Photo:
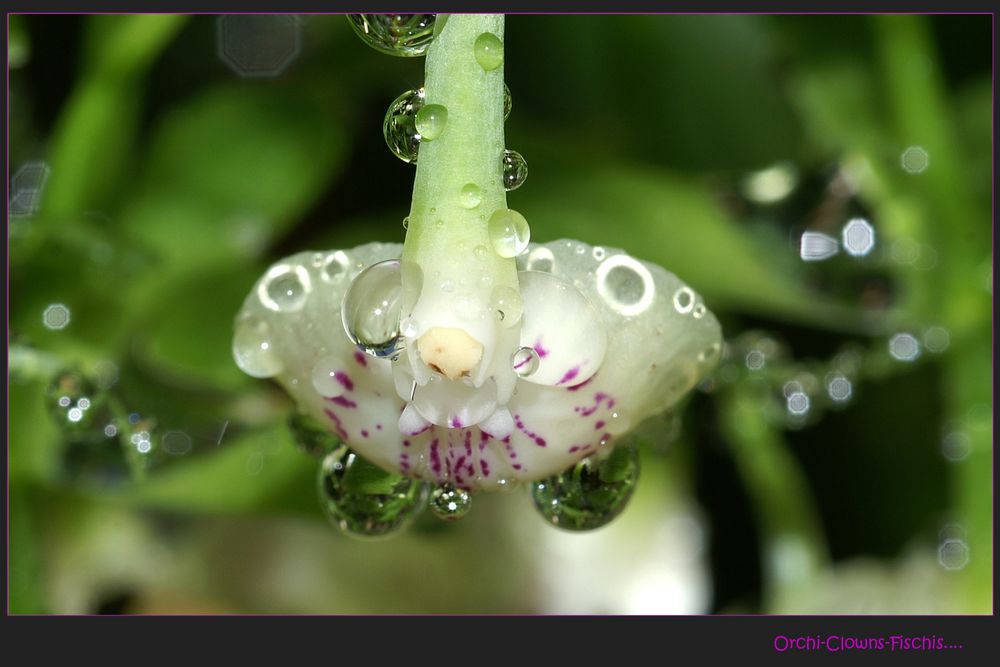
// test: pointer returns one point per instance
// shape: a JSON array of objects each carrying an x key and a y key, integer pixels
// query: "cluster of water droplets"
[{"x": 591, "y": 493}]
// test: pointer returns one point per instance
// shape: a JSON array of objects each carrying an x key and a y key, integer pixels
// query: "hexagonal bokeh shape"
[{"x": 258, "y": 45}]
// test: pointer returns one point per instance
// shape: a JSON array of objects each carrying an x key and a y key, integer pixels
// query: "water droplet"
[
  {"x": 72, "y": 396},
  {"x": 838, "y": 387},
  {"x": 817, "y": 246},
  {"x": 489, "y": 51},
  {"x": 56, "y": 316},
  {"x": 698, "y": 311},
  {"x": 364, "y": 500},
  {"x": 335, "y": 266},
  {"x": 915, "y": 159},
  {"x": 399, "y": 127},
  {"x": 541, "y": 259},
  {"x": 430, "y": 121},
  {"x": 858, "y": 236},
  {"x": 310, "y": 437},
  {"x": 480, "y": 252},
  {"x": 406, "y": 222},
  {"x": 509, "y": 232},
  {"x": 514, "y": 169},
  {"x": 953, "y": 554},
  {"x": 371, "y": 311},
  {"x": 325, "y": 380},
  {"x": 508, "y": 102},
  {"x": 253, "y": 348},
  {"x": 797, "y": 403},
  {"x": 409, "y": 327},
  {"x": 450, "y": 503},
  {"x": 284, "y": 288},
  {"x": 904, "y": 347},
  {"x": 625, "y": 284},
  {"x": 524, "y": 361},
  {"x": 447, "y": 286},
  {"x": 599, "y": 253},
  {"x": 406, "y": 35},
  {"x": 507, "y": 303},
  {"x": 684, "y": 300},
  {"x": 710, "y": 353},
  {"x": 590, "y": 494},
  {"x": 470, "y": 196}
]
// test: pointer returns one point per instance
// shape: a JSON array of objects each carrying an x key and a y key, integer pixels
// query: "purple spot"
[
  {"x": 468, "y": 443},
  {"x": 338, "y": 425},
  {"x": 406, "y": 443},
  {"x": 460, "y": 461},
  {"x": 455, "y": 422},
  {"x": 343, "y": 402},
  {"x": 540, "y": 441},
  {"x": 364, "y": 433},
  {"x": 378, "y": 427},
  {"x": 344, "y": 380},
  {"x": 485, "y": 467},
  {"x": 360, "y": 358},
  {"x": 599, "y": 398},
  {"x": 574, "y": 448},
  {"x": 516, "y": 466},
  {"x": 599, "y": 425},
  {"x": 435, "y": 457},
  {"x": 541, "y": 351},
  {"x": 583, "y": 384},
  {"x": 569, "y": 376}
]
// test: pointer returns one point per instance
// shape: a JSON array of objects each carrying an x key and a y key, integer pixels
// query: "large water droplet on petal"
[
  {"x": 509, "y": 232},
  {"x": 362, "y": 499},
  {"x": 253, "y": 348},
  {"x": 310, "y": 436},
  {"x": 405, "y": 35},
  {"x": 327, "y": 377},
  {"x": 507, "y": 304},
  {"x": 430, "y": 121},
  {"x": 524, "y": 361},
  {"x": 625, "y": 284},
  {"x": 371, "y": 309},
  {"x": 489, "y": 51},
  {"x": 285, "y": 288},
  {"x": 514, "y": 170},
  {"x": 400, "y": 128},
  {"x": 450, "y": 503},
  {"x": 591, "y": 493}
]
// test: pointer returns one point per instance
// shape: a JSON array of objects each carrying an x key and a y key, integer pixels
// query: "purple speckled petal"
[{"x": 618, "y": 340}]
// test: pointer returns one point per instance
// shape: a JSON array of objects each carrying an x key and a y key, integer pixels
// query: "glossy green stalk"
[{"x": 441, "y": 230}]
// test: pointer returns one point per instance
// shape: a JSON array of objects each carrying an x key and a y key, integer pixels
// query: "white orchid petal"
[{"x": 639, "y": 338}]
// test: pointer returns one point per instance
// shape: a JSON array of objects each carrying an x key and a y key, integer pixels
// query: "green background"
[{"x": 174, "y": 179}]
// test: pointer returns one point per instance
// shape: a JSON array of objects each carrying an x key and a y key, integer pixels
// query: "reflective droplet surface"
[
  {"x": 489, "y": 51},
  {"x": 362, "y": 499},
  {"x": 625, "y": 284},
  {"x": 406, "y": 35},
  {"x": 514, "y": 170},
  {"x": 399, "y": 127},
  {"x": 506, "y": 302},
  {"x": 327, "y": 378},
  {"x": 450, "y": 503},
  {"x": 524, "y": 361},
  {"x": 508, "y": 102},
  {"x": 310, "y": 437},
  {"x": 335, "y": 266},
  {"x": 371, "y": 310},
  {"x": 684, "y": 300},
  {"x": 470, "y": 196},
  {"x": 509, "y": 232},
  {"x": 591, "y": 493},
  {"x": 430, "y": 121},
  {"x": 285, "y": 288},
  {"x": 253, "y": 349},
  {"x": 541, "y": 259}
]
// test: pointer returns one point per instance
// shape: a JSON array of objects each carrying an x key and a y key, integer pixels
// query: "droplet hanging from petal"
[
  {"x": 399, "y": 127},
  {"x": 364, "y": 500},
  {"x": 371, "y": 310},
  {"x": 590, "y": 494}
]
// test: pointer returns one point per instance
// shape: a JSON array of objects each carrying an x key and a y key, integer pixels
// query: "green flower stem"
[
  {"x": 441, "y": 231},
  {"x": 795, "y": 551}
]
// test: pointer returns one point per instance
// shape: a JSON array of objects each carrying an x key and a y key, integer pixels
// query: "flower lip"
[{"x": 451, "y": 352}]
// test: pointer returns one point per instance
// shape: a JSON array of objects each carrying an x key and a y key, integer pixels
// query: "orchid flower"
[{"x": 469, "y": 357}]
